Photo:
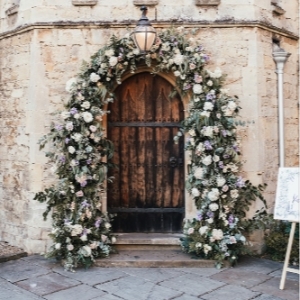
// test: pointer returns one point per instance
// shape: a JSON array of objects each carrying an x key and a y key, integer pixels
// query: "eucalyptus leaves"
[{"x": 81, "y": 154}]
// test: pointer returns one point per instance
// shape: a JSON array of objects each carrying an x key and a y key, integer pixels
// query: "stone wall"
[{"x": 35, "y": 64}]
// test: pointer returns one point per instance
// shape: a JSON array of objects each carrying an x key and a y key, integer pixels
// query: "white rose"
[
  {"x": 113, "y": 240},
  {"x": 93, "y": 128},
  {"x": 69, "y": 126},
  {"x": 70, "y": 247},
  {"x": 94, "y": 77},
  {"x": 231, "y": 105},
  {"x": 216, "y": 158},
  {"x": 209, "y": 83},
  {"x": 206, "y": 248},
  {"x": 221, "y": 181},
  {"x": 76, "y": 116},
  {"x": 198, "y": 245},
  {"x": 234, "y": 194},
  {"x": 76, "y": 230},
  {"x": 86, "y": 104},
  {"x": 217, "y": 234},
  {"x": 213, "y": 195},
  {"x": 88, "y": 117},
  {"x": 213, "y": 206},
  {"x": 71, "y": 149},
  {"x": 76, "y": 137},
  {"x": 83, "y": 237},
  {"x": 203, "y": 230},
  {"x": 57, "y": 246},
  {"x": 70, "y": 85},
  {"x": 210, "y": 220},
  {"x": 177, "y": 73},
  {"x": 178, "y": 59},
  {"x": 64, "y": 115},
  {"x": 197, "y": 88},
  {"x": 198, "y": 173},
  {"x": 113, "y": 61},
  {"x": 208, "y": 106},
  {"x": 195, "y": 192},
  {"x": 207, "y": 160}
]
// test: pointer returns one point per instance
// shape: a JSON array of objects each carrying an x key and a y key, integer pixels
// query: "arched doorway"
[{"x": 148, "y": 188}]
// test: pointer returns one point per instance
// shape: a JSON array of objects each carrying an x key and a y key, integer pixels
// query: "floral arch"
[{"x": 81, "y": 153}]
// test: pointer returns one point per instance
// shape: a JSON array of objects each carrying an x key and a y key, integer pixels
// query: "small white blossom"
[
  {"x": 214, "y": 194},
  {"x": 113, "y": 61},
  {"x": 109, "y": 52},
  {"x": 71, "y": 149},
  {"x": 209, "y": 83},
  {"x": 70, "y": 247},
  {"x": 206, "y": 248},
  {"x": 57, "y": 246},
  {"x": 86, "y": 251},
  {"x": 198, "y": 245},
  {"x": 221, "y": 181},
  {"x": 213, "y": 206},
  {"x": 178, "y": 59},
  {"x": 198, "y": 173},
  {"x": 76, "y": 137},
  {"x": 192, "y": 132},
  {"x": 217, "y": 234},
  {"x": 234, "y": 194},
  {"x": 86, "y": 104},
  {"x": 203, "y": 230},
  {"x": 195, "y": 192},
  {"x": 177, "y": 73},
  {"x": 197, "y": 88},
  {"x": 83, "y": 237},
  {"x": 216, "y": 158},
  {"x": 190, "y": 230},
  {"x": 206, "y": 160},
  {"x": 94, "y": 77},
  {"x": 208, "y": 106},
  {"x": 69, "y": 126},
  {"x": 87, "y": 117},
  {"x": 76, "y": 230}
]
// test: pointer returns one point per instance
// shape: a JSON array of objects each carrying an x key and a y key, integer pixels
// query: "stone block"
[
  {"x": 230, "y": 292},
  {"x": 207, "y": 2},
  {"x": 145, "y": 2},
  {"x": 84, "y": 2},
  {"x": 86, "y": 293}
]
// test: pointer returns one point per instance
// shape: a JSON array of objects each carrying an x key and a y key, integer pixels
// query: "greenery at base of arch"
[{"x": 81, "y": 154}]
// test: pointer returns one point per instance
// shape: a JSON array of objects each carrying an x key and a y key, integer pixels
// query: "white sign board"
[{"x": 287, "y": 195}]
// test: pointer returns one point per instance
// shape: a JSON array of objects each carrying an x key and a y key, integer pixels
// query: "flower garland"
[{"x": 81, "y": 154}]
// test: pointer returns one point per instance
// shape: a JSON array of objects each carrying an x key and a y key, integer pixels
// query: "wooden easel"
[{"x": 287, "y": 258}]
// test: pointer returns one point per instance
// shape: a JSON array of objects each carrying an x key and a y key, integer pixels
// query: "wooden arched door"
[{"x": 148, "y": 189}]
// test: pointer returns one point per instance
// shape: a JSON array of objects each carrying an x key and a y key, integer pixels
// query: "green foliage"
[{"x": 276, "y": 238}]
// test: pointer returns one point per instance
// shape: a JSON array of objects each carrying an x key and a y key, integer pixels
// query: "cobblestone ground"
[{"x": 34, "y": 277}]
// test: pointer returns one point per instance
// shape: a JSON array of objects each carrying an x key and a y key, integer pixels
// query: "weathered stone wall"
[{"x": 35, "y": 64}]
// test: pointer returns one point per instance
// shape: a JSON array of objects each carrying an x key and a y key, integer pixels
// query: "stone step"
[
  {"x": 148, "y": 241},
  {"x": 153, "y": 259}
]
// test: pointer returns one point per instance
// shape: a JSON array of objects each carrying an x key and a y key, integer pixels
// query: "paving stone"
[
  {"x": 192, "y": 284},
  {"x": 206, "y": 272},
  {"x": 109, "y": 297},
  {"x": 17, "y": 270},
  {"x": 9, "y": 291},
  {"x": 271, "y": 287},
  {"x": 240, "y": 277},
  {"x": 289, "y": 275},
  {"x": 132, "y": 288},
  {"x": 153, "y": 274},
  {"x": 267, "y": 297},
  {"x": 232, "y": 292},
  {"x": 41, "y": 260},
  {"x": 186, "y": 297},
  {"x": 47, "y": 284},
  {"x": 258, "y": 265},
  {"x": 92, "y": 276},
  {"x": 85, "y": 292}
]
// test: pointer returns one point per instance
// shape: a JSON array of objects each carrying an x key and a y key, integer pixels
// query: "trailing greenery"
[
  {"x": 81, "y": 154},
  {"x": 277, "y": 234}
]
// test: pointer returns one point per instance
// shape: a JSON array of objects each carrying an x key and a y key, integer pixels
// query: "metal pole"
[{"x": 280, "y": 57}]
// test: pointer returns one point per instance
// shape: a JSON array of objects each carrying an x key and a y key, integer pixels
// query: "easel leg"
[{"x": 287, "y": 256}]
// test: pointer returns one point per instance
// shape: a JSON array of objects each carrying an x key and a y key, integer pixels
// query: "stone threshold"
[{"x": 151, "y": 250}]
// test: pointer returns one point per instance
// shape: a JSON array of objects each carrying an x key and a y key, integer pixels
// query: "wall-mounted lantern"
[{"x": 144, "y": 34}]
